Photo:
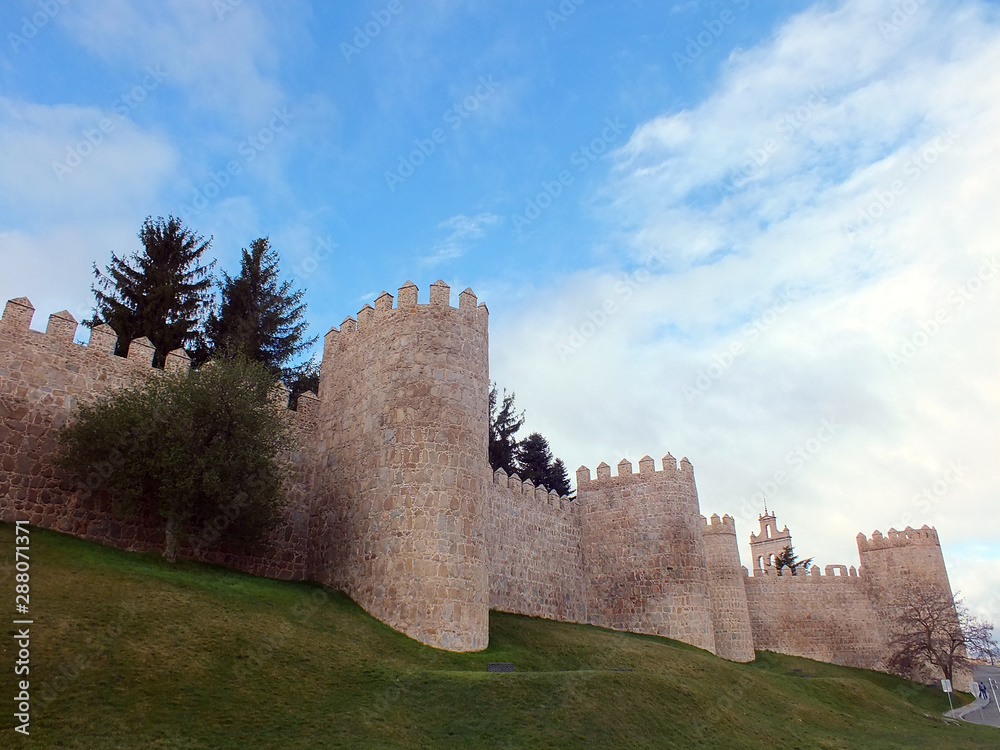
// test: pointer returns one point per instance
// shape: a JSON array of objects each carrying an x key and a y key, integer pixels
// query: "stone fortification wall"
[
  {"x": 43, "y": 376},
  {"x": 643, "y": 550},
  {"x": 393, "y": 502},
  {"x": 400, "y": 507},
  {"x": 533, "y": 538},
  {"x": 827, "y": 617},
  {"x": 730, "y": 613}
]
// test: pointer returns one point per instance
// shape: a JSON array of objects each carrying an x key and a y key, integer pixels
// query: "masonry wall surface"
[
  {"x": 533, "y": 539},
  {"x": 643, "y": 551},
  {"x": 824, "y": 617},
  {"x": 402, "y": 489},
  {"x": 43, "y": 376}
]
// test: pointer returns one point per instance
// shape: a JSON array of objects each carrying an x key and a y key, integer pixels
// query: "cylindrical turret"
[
  {"x": 644, "y": 553},
  {"x": 727, "y": 590},
  {"x": 403, "y": 423}
]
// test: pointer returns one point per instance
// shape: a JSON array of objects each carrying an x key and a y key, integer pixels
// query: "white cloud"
[
  {"x": 75, "y": 192},
  {"x": 67, "y": 161},
  {"x": 864, "y": 205}
]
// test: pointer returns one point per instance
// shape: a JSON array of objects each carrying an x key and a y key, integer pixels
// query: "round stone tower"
[
  {"x": 727, "y": 590},
  {"x": 404, "y": 431},
  {"x": 645, "y": 557},
  {"x": 911, "y": 554}
]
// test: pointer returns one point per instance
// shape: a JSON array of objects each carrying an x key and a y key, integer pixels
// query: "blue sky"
[{"x": 762, "y": 235}]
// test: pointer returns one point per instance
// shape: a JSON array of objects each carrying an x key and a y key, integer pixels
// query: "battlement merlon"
[
  {"x": 716, "y": 525},
  {"x": 672, "y": 471},
  {"x": 17, "y": 314},
  {"x": 925, "y": 536},
  {"x": 369, "y": 317}
]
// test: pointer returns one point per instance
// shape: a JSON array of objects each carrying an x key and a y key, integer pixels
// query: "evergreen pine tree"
[
  {"x": 558, "y": 478},
  {"x": 260, "y": 317},
  {"x": 159, "y": 292},
  {"x": 534, "y": 459},
  {"x": 504, "y": 424},
  {"x": 788, "y": 559}
]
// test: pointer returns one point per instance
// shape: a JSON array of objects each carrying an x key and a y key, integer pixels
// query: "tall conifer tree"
[
  {"x": 260, "y": 317},
  {"x": 504, "y": 424},
  {"x": 558, "y": 478},
  {"x": 159, "y": 292},
  {"x": 534, "y": 459},
  {"x": 535, "y": 462}
]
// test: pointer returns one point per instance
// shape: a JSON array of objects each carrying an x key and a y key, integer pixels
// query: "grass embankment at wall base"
[{"x": 128, "y": 651}]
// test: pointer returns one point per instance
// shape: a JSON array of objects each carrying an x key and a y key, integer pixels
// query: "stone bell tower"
[{"x": 769, "y": 543}]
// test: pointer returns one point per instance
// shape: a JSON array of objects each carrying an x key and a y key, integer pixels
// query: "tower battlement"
[
  {"x": 924, "y": 536},
  {"x": 369, "y": 318},
  {"x": 671, "y": 471},
  {"x": 716, "y": 525}
]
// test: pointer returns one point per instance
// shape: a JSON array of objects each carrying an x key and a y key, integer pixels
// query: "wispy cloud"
[
  {"x": 814, "y": 241},
  {"x": 222, "y": 55},
  {"x": 461, "y": 230}
]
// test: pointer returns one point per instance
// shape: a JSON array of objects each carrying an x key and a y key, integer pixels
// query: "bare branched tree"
[
  {"x": 979, "y": 639},
  {"x": 926, "y": 631}
]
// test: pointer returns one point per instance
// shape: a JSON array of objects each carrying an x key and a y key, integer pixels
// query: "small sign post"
[{"x": 946, "y": 686}]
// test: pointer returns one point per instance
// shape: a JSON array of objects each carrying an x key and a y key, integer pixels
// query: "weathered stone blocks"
[
  {"x": 403, "y": 499},
  {"x": 727, "y": 591},
  {"x": 644, "y": 554}
]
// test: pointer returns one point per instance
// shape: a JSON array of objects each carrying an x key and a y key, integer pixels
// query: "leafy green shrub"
[{"x": 194, "y": 447}]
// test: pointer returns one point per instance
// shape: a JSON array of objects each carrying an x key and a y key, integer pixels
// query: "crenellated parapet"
[
  {"x": 60, "y": 334},
  {"x": 716, "y": 525},
  {"x": 539, "y": 493},
  {"x": 829, "y": 573},
  {"x": 670, "y": 472},
  {"x": 355, "y": 330}
]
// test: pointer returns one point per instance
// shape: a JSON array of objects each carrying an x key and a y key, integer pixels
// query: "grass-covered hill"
[{"x": 128, "y": 651}]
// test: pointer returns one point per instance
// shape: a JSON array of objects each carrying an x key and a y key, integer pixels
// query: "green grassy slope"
[{"x": 130, "y": 652}]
